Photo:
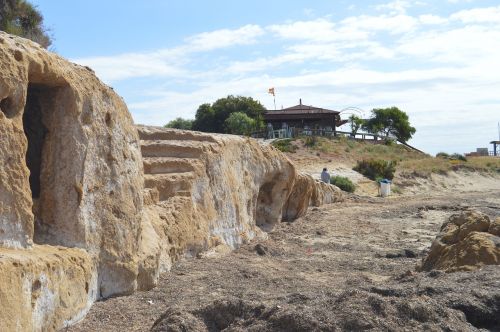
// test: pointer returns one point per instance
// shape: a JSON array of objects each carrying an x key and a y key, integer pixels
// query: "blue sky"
[{"x": 437, "y": 60}]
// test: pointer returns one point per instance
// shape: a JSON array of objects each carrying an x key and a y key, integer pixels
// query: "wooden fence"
[{"x": 296, "y": 132}]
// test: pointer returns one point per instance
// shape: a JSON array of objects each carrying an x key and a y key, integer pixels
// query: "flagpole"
[{"x": 274, "y": 98}]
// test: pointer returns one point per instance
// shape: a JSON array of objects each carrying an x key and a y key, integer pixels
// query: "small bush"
[
  {"x": 310, "y": 141},
  {"x": 458, "y": 156},
  {"x": 442, "y": 155},
  {"x": 376, "y": 169},
  {"x": 454, "y": 156},
  {"x": 284, "y": 145},
  {"x": 389, "y": 142},
  {"x": 343, "y": 183}
]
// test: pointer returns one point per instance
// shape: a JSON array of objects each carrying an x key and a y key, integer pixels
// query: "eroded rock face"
[
  {"x": 467, "y": 241},
  {"x": 213, "y": 191},
  {"x": 70, "y": 175},
  {"x": 76, "y": 223},
  {"x": 45, "y": 289},
  {"x": 309, "y": 192}
]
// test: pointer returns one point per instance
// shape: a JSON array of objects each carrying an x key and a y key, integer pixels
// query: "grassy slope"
[{"x": 409, "y": 162}]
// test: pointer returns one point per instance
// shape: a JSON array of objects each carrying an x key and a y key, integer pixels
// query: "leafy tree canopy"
[
  {"x": 19, "y": 17},
  {"x": 212, "y": 118},
  {"x": 390, "y": 121},
  {"x": 180, "y": 123},
  {"x": 239, "y": 123},
  {"x": 356, "y": 123}
]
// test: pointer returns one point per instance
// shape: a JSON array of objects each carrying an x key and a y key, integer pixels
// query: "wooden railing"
[{"x": 295, "y": 132}]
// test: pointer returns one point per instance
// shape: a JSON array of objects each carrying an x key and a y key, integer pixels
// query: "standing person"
[{"x": 325, "y": 176}]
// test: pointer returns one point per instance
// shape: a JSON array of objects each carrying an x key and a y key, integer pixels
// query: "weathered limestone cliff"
[{"x": 79, "y": 219}]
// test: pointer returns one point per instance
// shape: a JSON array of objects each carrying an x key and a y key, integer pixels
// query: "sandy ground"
[
  {"x": 308, "y": 161},
  {"x": 332, "y": 249}
]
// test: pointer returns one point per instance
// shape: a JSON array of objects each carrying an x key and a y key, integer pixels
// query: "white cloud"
[
  {"x": 168, "y": 62},
  {"x": 459, "y": 1},
  {"x": 132, "y": 65},
  {"x": 442, "y": 70},
  {"x": 319, "y": 30},
  {"x": 461, "y": 46},
  {"x": 478, "y": 15},
  {"x": 394, "y": 24},
  {"x": 395, "y": 7},
  {"x": 432, "y": 19},
  {"x": 208, "y": 41}
]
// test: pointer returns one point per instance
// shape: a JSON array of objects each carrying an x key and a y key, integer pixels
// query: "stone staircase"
[{"x": 172, "y": 160}]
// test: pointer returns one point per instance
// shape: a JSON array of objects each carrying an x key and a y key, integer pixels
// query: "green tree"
[
  {"x": 211, "y": 118},
  {"x": 180, "y": 123},
  {"x": 205, "y": 119},
  {"x": 19, "y": 17},
  {"x": 390, "y": 121},
  {"x": 239, "y": 123},
  {"x": 356, "y": 123}
]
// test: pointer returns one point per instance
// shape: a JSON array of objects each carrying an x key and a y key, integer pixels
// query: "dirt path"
[{"x": 365, "y": 241}]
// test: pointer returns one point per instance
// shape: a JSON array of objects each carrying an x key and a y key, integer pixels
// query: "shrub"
[
  {"x": 310, "y": 141},
  {"x": 458, "y": 156},
  {"x": 343, "y": 183},
  {"x": 454, "y": 156},
  {"x": 180, "y": 123},
  {"x": 442, "y": 155},
  {"x": 375, "y": 169},
  {"x": 239, "y": 123},
  {"x": 284, "y": 145},
  {"x": 21, "y": 18},
  {"x": 389, "y": 142}
]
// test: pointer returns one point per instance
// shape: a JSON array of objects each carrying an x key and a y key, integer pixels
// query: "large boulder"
[{"x": 467, "y": 241}]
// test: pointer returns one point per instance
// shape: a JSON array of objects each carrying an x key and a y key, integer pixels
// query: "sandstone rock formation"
[
  {"x": 77, "y": 224},
  {"x": 70, "y": 175},
  {"x": 467, "y": 241},
  {"x": 307, "y": 192},
  {"x": 212, "y": 190},
  {"x": 46, "y": 288}
]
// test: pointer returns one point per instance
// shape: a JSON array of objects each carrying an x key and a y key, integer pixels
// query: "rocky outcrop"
[
  {"x": 215, "y": 191},
  {"x": 79, "y": 219},
  {"x": 307, "y": 192},
  {"x": 45, "y": 289},
  {"x": 71, "y": 176},
  {"x": 467, "y": 241}
]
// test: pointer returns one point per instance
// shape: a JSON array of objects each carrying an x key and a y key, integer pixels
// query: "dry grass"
[
  {"x": 358, "y": 150},
  {"x": 425, "y": 166},
  {"x": 410, "y": 163}
]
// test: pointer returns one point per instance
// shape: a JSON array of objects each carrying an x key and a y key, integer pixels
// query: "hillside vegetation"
[{"x": 409, "y": 162}]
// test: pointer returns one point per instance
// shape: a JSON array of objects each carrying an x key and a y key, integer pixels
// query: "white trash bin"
[{"x": 385, "y": 188}]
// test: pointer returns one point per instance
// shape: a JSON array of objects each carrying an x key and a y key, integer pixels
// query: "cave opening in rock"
[
  {"x": 6, "y": 107},
  {"x": 35, "y": 131},
  {"x": 39, "y": 102},
  {"x": 264, "y": 217}
]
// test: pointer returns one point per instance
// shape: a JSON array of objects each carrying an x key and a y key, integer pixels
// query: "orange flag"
[{"x": 271, "y": 91}]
